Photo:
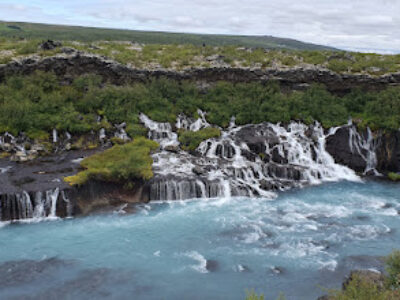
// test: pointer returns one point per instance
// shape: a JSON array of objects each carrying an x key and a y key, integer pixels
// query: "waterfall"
[
  {"x": 121, "y": 133},
  {"x": 183, "y": 122},
  {"x": 160, "y": 132},
  {"x": 34, "y": 206},
  {"x": 51, "y": 197},
  {"x": 251, "y": 160},
  {"x": 102, "y": 134},
  {"x": 55, "y": 137},
  {"x": 365, "y": 147}
]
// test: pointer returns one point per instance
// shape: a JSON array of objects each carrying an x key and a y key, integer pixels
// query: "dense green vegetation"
[
  {"x": 37, "y": 103},
  {"x": 88, "y": 34},
  {"x": 394, "y": 176},
  {"x": 190, "y": 140},
  {"x": 121, "y": 163},
  {"x": 359, "y": 288}
]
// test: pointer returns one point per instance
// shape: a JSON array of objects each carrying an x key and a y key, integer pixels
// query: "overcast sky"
[{"x": 364, "y": 25}]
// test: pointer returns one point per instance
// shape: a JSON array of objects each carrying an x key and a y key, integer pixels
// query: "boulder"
[
  {"x": 50, "y": 45},
  {"x": 172, "y": 148}
]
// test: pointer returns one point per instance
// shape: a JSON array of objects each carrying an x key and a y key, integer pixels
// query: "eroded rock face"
[
  {"x": 75, "y": 63},
  {"x": 364, "y": 152}
]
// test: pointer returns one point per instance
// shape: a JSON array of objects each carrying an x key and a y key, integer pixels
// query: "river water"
[{"x": 299, "y": 243}]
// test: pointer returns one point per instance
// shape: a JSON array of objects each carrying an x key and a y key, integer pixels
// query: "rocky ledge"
[{"x": 73, "y": 63}]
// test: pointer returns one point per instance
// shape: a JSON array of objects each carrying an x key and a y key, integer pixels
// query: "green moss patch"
[
  {"x": 121, "y": 163},
  {"x": 190, "y": 140},
  {"x": 394, "y": 176}
]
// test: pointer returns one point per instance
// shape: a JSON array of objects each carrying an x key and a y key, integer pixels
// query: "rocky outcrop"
[
  {"x": 365, "y": 152},
  {"x": 73, "y": 63}
]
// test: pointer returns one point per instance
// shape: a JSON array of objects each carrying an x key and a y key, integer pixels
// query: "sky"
[{"x": 361, "y": 25}]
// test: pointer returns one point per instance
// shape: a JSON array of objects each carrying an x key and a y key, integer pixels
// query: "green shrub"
[
  {"x": 190, "y": 140},
  {"x": 362, "y": 288},
  {"x": 121, "y": 163},
  {"x": 394, "y": 176},
  {"x": 27, "y": 47},
  {"x": 39, "y": 103},
  {"x": 359, "y": 289},
  {"x": 253, "y": 296},
  {"x": 393, "y": 267}
]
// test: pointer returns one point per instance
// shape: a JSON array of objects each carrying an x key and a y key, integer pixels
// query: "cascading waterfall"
[
  {"x": 160, "y": 132},
  {"x": 365, "y": 147},
  {"x": 120, "y": 132},
  {"x": 34, "y": 206},
  {"x": 55, "y": 136},
  {"x": 183, "y": 122},
  {"x": 251, "y": 160}
]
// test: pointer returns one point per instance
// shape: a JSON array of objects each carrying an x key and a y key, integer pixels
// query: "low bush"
[
  {"x": 121, "y": 163},
  {"x": 39, "y": 103},
  {"x": 394, "y": 176},
  {"x": 362, "y": 288},
  {"x": 190, "y": 140}
]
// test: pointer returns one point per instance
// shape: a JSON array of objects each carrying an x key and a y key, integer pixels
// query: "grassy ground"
[{"x": 180, "y": 57}]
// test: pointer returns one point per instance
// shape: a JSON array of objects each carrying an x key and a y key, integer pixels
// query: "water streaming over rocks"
[
  {"x": 35, "y": 206},
  {"x": 251, "y": 160},
  {"x": 254, "y": 160}
]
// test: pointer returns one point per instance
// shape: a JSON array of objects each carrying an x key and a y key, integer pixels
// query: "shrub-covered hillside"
[
  {"x": 184, "y": 56},
  {"x": 38, "y": 103}
]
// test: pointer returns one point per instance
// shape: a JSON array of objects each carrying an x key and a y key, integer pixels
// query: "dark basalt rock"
[
  {"x": 388, "y": 152},
  {"x": 212, "y": 265},
  {"x": 77, "y": 63},
  {"x": 14, "y": 273},
  {"x": 338, "y": 146},
  {"x": 50, "y": 45},
  {"x": 277, "y": 270}
]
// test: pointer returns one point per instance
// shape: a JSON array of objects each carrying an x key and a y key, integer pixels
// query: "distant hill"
[{"x": 90, "y": 34}]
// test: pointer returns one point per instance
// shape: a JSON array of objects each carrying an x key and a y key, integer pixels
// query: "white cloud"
[{"x": 350, "y": 24}]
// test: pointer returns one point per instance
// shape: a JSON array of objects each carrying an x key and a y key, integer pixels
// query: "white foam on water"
[
  {"x": 327, "y": 264},
  {"x": 3, "y": 224},
  {"x": 367, "y": 232},
  {"x": 201, "y": 265}
]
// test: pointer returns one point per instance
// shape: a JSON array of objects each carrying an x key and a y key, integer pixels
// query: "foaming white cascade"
[
  {"x": 52, "y": 196},
  {"x": 102, "y": 134},
  {"x": 365, "y": 147},
  {"x": 55, "y": 136},
  {"x": 160, "y": 132},
  {"x": 5, "y": 139},
  {"x": 183, "y": 122},
  {"x": 305, "y": 147},
  {"x": 120, "y": 132},
  {"x": 251, "y": 160},
  {"x": 35, "y": 206}
]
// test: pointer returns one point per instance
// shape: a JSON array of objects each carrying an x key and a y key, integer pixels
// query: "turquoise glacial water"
[{"x": 296, "y": 244}]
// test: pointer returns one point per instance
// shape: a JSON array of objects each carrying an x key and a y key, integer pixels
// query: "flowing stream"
[{"x": 207, "y": 248}]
